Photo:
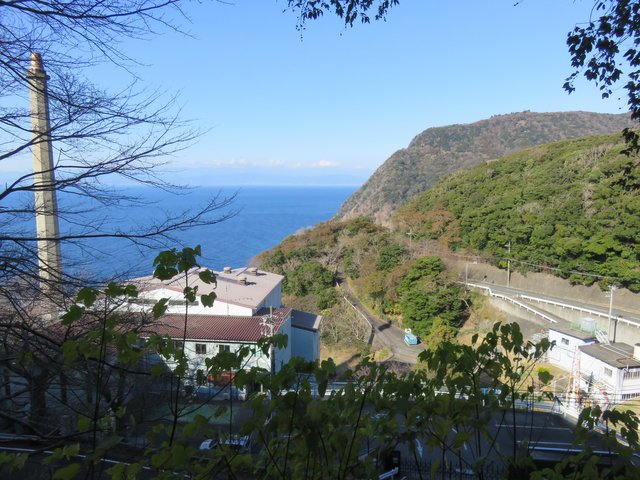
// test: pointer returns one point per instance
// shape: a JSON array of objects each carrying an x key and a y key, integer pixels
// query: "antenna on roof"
[{"x": 266, "y": 324}]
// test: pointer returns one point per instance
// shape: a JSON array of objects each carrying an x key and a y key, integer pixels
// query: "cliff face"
[{"x": 442, "y": 150}]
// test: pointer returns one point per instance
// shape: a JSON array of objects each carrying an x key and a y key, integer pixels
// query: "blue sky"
[{"x": 330, "y": 105}]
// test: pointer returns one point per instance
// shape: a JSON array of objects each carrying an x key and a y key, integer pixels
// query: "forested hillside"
[
  {"x": 572, "y": 205},
  {"x": 384, "y": 272},
  {"x": 571, "y": 208},
  {"x": 442, "y": 150}
]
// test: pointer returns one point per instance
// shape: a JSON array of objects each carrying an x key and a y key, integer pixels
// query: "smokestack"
[{"x": 46, "y": 205}]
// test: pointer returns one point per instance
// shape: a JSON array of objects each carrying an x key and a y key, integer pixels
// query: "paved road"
[
  {"x": 389, "y": 335},
  {"x": 515, "y": 293},
  {"x": 543, "y": 432},
  {"x": 384, "y": 333}
]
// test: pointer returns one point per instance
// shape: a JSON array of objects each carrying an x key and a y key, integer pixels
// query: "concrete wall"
[
  {"x": 274, "y": 299},
  {"x": 305, "y": 344},
  {"x": 283, "y": 355},
  {"x": 543, "y": 283}
]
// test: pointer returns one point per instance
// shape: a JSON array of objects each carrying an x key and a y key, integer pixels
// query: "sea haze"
[{"x": 265, "y": 216}]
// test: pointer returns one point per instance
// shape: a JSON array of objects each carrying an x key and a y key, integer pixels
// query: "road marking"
[
  {"x": 522, "y": 427},
  {"x": 560, "y": 444}
]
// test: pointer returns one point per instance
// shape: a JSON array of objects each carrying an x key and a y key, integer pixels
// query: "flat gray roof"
[
  {"x": 230, "y": 288},
  {"x": 618, "y": 355},
  {"x": 305, "y": 320},
  {"x": 575, "y": 333}
]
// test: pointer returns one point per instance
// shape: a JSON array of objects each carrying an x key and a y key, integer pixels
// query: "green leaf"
[
  {"x": 544, "y": 376},
  {"x": 190, "y": 294},
  {"x": 207, "y": 276},
  {"x": 87, "y": 296},
  {"x": 84, "y": 423},
  {"x": 164, "y": 273},
  {"x": 207, "y": 299},
  {"x": 118, "y": 471},
  {"x": 157, "y": 370},
  {"x": 12, "y": 461},
  {"x": 67, "y": 472},
  {"x": 73, "y": 314},
  {"x": 109, "y": 442},
  {"x": 160, "y": 308}
]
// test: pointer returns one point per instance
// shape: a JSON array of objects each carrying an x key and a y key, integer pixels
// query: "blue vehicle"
[{"x": 410, "y": 338}]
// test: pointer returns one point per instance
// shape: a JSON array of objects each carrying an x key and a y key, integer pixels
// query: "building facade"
[{"x": 248, "y": 307}]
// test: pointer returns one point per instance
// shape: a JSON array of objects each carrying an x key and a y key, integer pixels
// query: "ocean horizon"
[{"x": 265, "y": 216}]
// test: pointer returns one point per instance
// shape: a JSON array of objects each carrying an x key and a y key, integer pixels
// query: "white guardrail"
[
  {"x": 551, "y": 302},
  {"x": 580, "y": 309},
  {"x": 515, "y": 302}
]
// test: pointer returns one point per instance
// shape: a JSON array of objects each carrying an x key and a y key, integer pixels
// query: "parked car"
[
  {"x": 410, "y": 338},
  {"x": 239, "y": 443}
]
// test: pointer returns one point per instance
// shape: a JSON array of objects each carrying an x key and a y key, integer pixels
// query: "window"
[
  {"x": 177, "y": 344},
  {"x": 629, "y": 396},
  {"x": 224, "y": 348},
  {"x": 565, "y": 341},
  {"x": 608, "y": 372},
  {"x": 201, "y": 348},
  {"x": 630, "y": 374}
]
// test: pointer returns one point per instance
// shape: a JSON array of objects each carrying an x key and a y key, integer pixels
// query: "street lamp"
[{"x": 612, "y": 288}]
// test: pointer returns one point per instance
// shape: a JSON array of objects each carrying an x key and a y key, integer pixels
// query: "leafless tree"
[{"x": 101, "y": 136}]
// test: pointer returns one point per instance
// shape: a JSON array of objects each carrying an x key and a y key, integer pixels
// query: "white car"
[{"x": 239, "y": 443}]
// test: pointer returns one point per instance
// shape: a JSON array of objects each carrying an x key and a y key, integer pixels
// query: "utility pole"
[
  {"x": 466, "y": 275},
  {"x": 508, "y": 245},
  {"x": 612, "y": 288},
  {"x": 44, "y": 184}
]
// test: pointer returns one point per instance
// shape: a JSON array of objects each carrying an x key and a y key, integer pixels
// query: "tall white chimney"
[{"x": 46, "y": 205}]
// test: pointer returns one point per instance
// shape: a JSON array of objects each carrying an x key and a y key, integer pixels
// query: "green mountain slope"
[
  {"x": 572, "y": 205},
  {"x": 439, "y": 151}
]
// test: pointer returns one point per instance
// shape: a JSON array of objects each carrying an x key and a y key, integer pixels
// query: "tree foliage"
[
  {"x": 348, "y": 10},
  {"x": 390, "y": 256},
  {"x": 304, "y": 427},
  {"x": 428, "y": 295},
  {"x": 606, "y": 52},
  {"x": 572, "y": 206}
]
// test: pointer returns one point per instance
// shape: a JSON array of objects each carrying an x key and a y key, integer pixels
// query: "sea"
[{"x": 260, "y": 217}]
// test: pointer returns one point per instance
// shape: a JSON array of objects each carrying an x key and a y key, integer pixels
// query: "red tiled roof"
[{"x": 218, "y": 327}]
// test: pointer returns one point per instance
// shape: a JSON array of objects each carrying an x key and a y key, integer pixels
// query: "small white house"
[
  {"x": 567, "y": 341},
  {"x": 611, "y": 371},
  {"x": 208, "y": 335}
]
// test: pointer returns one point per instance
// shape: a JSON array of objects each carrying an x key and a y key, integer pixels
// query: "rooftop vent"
[
  {"x": 227, "y": 270},
  {"x": 243, "y": 280},
  {"x": 253, "y": 271}
]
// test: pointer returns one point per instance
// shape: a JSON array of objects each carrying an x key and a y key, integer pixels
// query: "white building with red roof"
[{"x": 248, "y": 306}]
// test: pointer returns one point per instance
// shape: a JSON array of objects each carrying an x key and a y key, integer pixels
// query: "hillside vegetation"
[
  {"x": 566, "y": 208},
  {"x": 572, "y": 205},
  {"x": 381, "y": 270},
  {"x": 443, "y": 150}
]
